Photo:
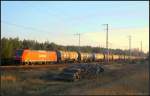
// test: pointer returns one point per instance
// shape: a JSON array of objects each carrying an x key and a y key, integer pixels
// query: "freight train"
[{"x": 26, "y": 56}]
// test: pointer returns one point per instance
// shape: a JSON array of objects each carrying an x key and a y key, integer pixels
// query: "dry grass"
[
  {"x": 128, "y": 80},
  {"x": 116, "y": 80},
  {"x": 8, "y": 78}
]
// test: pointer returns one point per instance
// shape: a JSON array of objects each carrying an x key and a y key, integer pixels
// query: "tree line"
[{"x": 9, "y": 45}]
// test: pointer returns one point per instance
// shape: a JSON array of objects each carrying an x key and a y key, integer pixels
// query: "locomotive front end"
[{"x": 18, "y": 56}]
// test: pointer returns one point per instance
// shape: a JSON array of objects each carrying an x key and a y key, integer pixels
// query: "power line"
[{"x": 22, "y": 26}]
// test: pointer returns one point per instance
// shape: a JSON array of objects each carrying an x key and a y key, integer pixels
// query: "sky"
[{"x": 59, "y": 21}]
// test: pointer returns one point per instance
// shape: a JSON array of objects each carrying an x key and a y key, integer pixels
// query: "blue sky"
[{"x": 61, "y": 19}]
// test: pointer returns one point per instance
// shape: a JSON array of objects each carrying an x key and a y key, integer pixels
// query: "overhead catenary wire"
[
  {"x": 30, "y": 29},
  {"x": 39, "y": 30},
  {"x": 22, "y": 26}
]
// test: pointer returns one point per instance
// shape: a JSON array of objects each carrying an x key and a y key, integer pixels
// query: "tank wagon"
[
  {"x": 98, "y": 57},
  {"x": 67, "y": 56},
  {"x": 121, "y": 57},
  {"x": 126, "y": 57},
  {"x": 110, "y": 57},
  {"x": 85, "y": 57},
  {"x": 26, "y": 56},
  {"x": 115, "y": 57}
]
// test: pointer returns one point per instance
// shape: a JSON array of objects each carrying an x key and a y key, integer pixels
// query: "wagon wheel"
[{"x": 26, "y": 63}]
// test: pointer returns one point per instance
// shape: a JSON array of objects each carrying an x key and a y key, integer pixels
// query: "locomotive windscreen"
[{"x": 19, "y": 53}]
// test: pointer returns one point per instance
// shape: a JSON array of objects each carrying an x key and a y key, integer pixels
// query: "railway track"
[{"x": 50, "y": 66}]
